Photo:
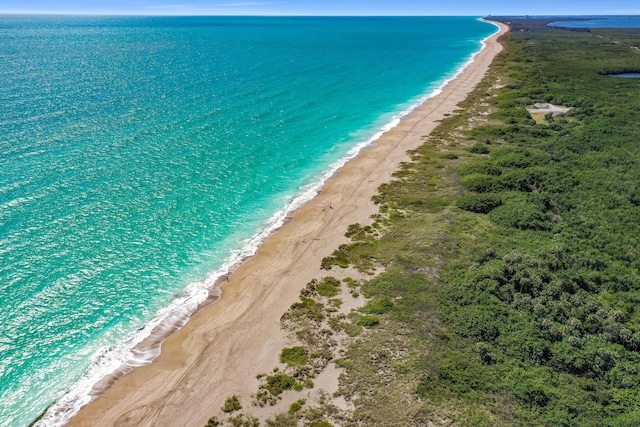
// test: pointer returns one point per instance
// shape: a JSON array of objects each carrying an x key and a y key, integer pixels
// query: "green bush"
[
  {"x": 339, "y": 258},
  {"x": 294, "y": 356},
  {"x": 531, "y": 179},
  {"x": 342, "y": 363},
  {"x": 368, "y": 321},
  {"x": 531, "y": 392},
  {"x": 484, "y": 168},
  {"x": 479, "y": 203},
  {"x": 479, "y": 322},
  {"x": 232, "y": 404},
  {"x": 512, "y": 113},
  {"x": 283, "y": 420},
  {"x": 524, "y": 216},
  {"x": 296, "y": 406},
  {"x": 480, "y": 183},
  {"x": 514, "y": 160},
  {"x": 306, "y": 308},
  {"x": 277, "y": 384},
  {"x": 329, "y": 287},
  {"x": 240, "y": 421},
  {"x": 479, "y": 148},
  {"x": 380, "y": 306},
  {"x": 520, "y": 158}
]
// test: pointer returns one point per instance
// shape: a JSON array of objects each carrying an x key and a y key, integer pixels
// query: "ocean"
[{"x": 142, "y": 158}]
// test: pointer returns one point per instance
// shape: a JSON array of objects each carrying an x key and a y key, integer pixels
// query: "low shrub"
[
  {"x": 368, "y": 321},
  {"x": 240, "y": 421},
  {"x": 277, "y": 384},
  {"x": 381, "y": 306},
  {"x": 296, "y": 406},
  {"x": 232, "y": 404},
  {"x": 329, "y": 287},
  {"x": 479, "y": 203},
  {"x": 485, "y": 168},
  {"x": 294, "y": 356},
  {"x": 307, "y": 308},
  {"x": 480, "y": 183},
  {"x": 524, "y": 216},
  {"x": 479, "y": 149}
]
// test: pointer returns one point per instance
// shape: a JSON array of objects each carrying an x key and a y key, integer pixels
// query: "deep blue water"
[
  {"x": 600, "y": 22},
  {"x": 140, "y": 157}
]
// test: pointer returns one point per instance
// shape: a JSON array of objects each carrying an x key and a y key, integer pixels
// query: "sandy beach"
[{"x": 223, "y": 347}]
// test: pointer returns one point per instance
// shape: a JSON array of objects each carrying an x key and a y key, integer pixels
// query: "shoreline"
[{"x": 222, "y": 347}]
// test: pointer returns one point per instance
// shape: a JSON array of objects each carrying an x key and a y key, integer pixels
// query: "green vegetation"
[
  {"x": 479, "y": 149},
  {"x": 294, "y": 356},
  {"x": 283, "y": 420},
  {"x": 305, "y": 321},
  {"x": 273, "y": 387},
  {"x": 231, "y": 404},
  {"x": 522, "y": 306},
  {"x": 479, "y": 203},
  {"x": 368, "y": 321},
  {"x": 380, "y": 306},
  {"x": 335, "y": 302},
  {"x": 307, "y": 308},
  {"x": 329, "y": 287},
  {"x": 296, "y": 406},
  {"x": 242, "y": 420}
]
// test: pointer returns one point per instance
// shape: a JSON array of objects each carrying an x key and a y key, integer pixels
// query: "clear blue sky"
[{"x": 326, "y": 7}]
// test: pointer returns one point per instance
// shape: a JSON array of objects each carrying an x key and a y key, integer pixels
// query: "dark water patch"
[
  {"x": 626, "y": 75},
  {"x": 598, "y": 22}
]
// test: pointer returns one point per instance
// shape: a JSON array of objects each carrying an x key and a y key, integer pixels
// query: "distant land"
[{"x": 576, "y": 23}]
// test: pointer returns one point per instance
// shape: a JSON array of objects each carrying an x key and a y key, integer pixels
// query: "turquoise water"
[{"x": 142, "y": 158}]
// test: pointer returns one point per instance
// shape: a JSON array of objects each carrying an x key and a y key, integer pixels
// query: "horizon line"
[{"x": 140, "y": 14}]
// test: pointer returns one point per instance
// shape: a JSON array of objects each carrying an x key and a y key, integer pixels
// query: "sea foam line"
[{"x": 113, "y": 363}]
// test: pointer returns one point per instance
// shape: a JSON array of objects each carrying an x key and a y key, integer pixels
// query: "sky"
[{"x": 325, "y": 7}]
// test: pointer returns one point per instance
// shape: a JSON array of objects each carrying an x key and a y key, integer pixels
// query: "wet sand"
[{"x": 223, "y": 347}]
